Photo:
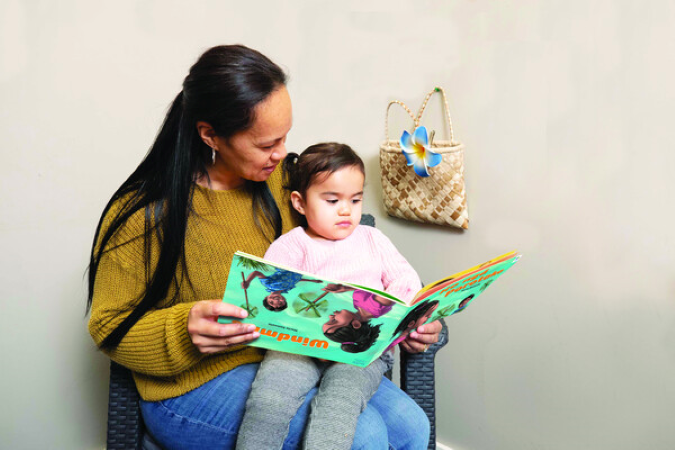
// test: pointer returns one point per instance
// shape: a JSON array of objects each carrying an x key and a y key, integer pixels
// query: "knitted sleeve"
[
  {"x": 398, "y": 276},
  {"x": 158, "y": 344}
]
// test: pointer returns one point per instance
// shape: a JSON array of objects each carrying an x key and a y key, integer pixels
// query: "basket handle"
[
  {"x": 386, "y": 118},
  {"x": 447, "y": 111}
]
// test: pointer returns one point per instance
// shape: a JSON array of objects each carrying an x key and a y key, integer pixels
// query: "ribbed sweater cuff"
[{"x": 181, "y": 351}]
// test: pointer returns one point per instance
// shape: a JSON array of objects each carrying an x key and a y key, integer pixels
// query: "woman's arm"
[
  {"x": 159, "y": 343},
  {"x": 165, "y": 341},
  {"x": 172, "y": 336}
]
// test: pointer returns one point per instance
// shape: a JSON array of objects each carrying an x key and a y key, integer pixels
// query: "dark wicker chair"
[{"x": 127, "y": 431}]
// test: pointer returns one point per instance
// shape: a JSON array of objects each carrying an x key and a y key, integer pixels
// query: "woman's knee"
[
  {"x": 407, "y": 424},
  {"x": 371, "y": 431},
  {"x": 416, "y": 436}
]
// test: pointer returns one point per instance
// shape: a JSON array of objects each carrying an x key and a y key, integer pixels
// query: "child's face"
[
  {"x": 332, "y": 204},
  {"x": 341, "y": 319},
  {"x": 427, "y": 315},
  {"x": 276, "y": 300},
  {"x": 463, "y": 304}
]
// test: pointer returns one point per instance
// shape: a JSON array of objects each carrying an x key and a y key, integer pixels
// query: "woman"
[{"x": 162, "y": 251}]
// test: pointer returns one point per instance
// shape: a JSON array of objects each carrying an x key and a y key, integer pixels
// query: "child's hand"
[{"x": 247, "y": 282}]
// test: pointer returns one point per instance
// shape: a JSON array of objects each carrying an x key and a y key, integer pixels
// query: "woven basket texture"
[{"x": 439, "y": 198}]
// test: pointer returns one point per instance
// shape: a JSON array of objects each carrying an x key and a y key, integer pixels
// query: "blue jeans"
[{"x": 209, "y": 417}]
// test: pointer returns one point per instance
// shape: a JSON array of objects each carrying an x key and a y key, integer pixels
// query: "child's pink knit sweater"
[{"x": 365, "y": 257}]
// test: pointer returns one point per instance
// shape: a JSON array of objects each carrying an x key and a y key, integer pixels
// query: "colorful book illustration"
[{"x": 297, "y": 312}]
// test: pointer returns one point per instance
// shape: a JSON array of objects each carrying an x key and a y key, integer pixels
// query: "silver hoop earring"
[{"x": 213, "y": 156}]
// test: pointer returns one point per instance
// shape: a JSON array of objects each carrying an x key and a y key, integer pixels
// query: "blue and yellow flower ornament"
[{"x": 417, "y": 151}]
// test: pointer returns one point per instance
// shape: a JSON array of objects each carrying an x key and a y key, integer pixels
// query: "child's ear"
[{"x": 297, "y": 202}]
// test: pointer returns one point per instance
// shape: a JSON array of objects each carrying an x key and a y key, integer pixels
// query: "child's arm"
[
  {"x": 247, "y": 282},
  {"x": 383, "y": 300},
  {"x": 337, "y": 288},
  {"x": 398, "y": 276}
]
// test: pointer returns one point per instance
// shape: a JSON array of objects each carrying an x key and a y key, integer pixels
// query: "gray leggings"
[{"x": 281, "y": 384}]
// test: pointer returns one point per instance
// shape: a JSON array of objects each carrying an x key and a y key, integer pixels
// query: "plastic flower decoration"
[{"x": 417, "y": 151}]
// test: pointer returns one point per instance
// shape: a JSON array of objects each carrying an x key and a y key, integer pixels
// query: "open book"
[{"x": 297, "y": 312}]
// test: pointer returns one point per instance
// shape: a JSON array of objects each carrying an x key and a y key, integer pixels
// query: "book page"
[
  {"x": 301, "y": 313},
  {"x": 312, "y": 316}
]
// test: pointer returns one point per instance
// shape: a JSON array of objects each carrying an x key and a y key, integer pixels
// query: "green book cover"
[{"x": 301, "y": 313}]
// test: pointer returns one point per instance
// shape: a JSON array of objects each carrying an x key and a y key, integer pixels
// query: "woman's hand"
[
  {"x": 208, "y": 335},
  {"x": 420, "y": 340}
]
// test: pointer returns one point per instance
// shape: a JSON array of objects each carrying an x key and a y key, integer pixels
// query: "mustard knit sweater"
[{"x": 158, "y": 348}]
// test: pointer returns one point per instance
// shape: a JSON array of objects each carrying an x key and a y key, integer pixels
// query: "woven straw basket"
[{"x": 439, "y": 198}]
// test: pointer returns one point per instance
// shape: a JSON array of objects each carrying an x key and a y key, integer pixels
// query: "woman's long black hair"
[{"x": 223, "y": 88}]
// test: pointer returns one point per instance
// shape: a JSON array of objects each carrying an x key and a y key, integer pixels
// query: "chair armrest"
[
  {"x": 124, "y": 416},
  {"x": 417, "y": 379},
  {"x": 368, "y": 219}
]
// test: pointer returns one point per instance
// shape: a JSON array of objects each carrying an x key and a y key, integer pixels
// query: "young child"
[{"x": 326, "y": 184}]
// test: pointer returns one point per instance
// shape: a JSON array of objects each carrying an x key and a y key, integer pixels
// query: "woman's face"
[
  {"x": 340, "y": 319},
  {"x": 253, "y": 154}
]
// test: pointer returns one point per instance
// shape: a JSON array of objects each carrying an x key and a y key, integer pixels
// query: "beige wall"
[{"x": 565, "y": 107}]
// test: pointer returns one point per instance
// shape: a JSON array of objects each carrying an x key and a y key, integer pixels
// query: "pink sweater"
[{"x": 366, "y": 257}]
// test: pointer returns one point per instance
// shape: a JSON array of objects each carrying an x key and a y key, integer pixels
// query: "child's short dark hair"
[
  {"x": 300, "y": 171},
  {"x": 414, "y": 315},
  {"x": 355, "y": 340}
]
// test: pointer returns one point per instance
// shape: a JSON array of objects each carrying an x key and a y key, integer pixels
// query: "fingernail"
[
  {"x": 414, "y": 335},
  {"x": 243, "y": 313},
  {"x": 421, "y": 329},
  {"x": 250, "y": 328},
  {"x": 256, "y": 334}
]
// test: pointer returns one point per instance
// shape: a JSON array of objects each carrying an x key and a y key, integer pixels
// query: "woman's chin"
[{"x": 261, "y": 176}]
